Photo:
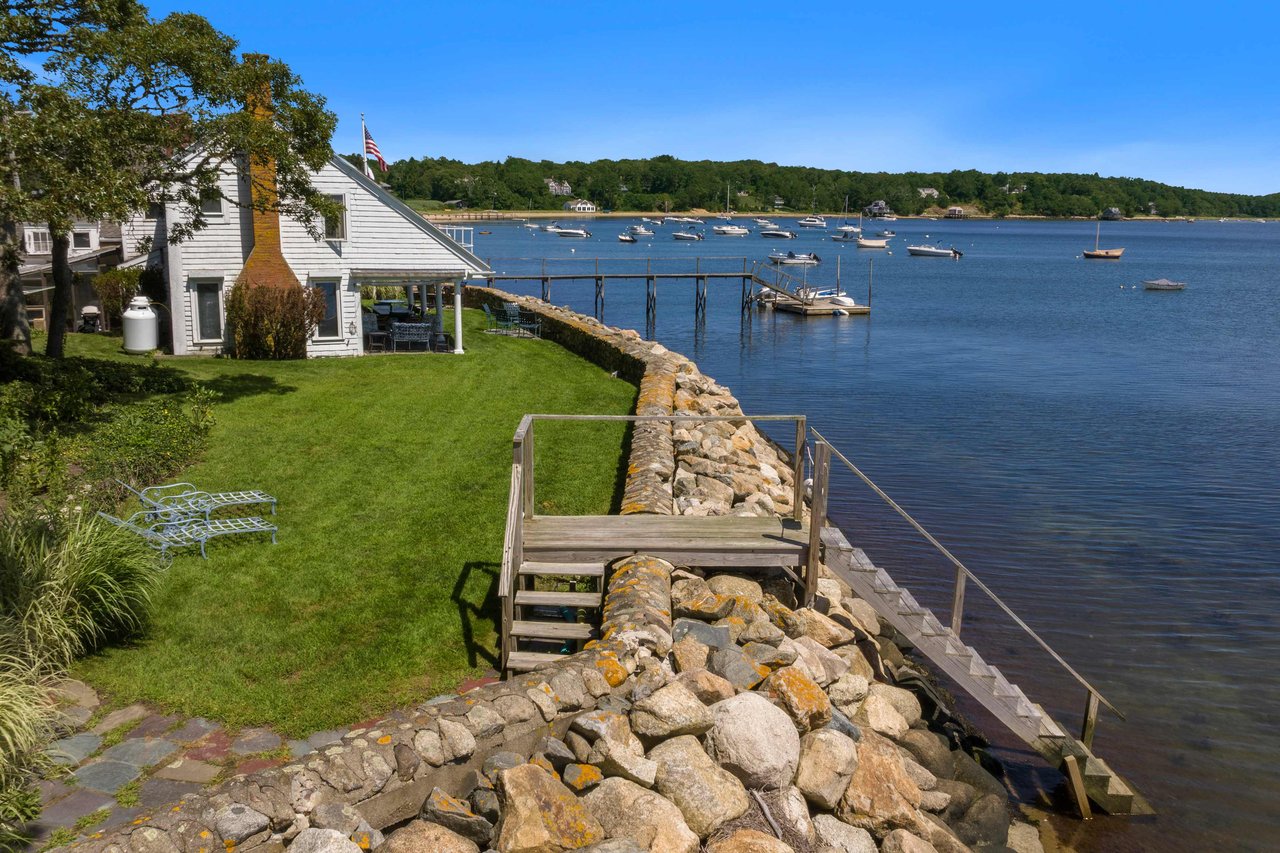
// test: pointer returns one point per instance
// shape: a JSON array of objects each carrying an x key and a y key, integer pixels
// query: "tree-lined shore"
[{"x": 666, "y": 183}]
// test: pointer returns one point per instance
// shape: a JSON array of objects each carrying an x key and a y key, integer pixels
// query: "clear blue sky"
[{"x": 1179, "y": 92}]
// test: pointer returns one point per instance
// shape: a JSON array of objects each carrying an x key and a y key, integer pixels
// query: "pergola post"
[
  {"x": 438, "y": 325},
  {"x": 457, "y": 317}
]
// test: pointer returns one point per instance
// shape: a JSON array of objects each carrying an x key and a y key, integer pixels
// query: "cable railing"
[{"x": 963, "y": 575}]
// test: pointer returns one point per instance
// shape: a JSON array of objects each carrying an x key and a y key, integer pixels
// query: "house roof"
[
  {"x": 44, "y": 263},
  {"x": 469, "y": 263}
]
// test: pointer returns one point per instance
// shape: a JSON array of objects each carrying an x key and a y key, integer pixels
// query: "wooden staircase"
[
  {"x": 982, "y": 681},
  {"x": 547, "y": 623}
]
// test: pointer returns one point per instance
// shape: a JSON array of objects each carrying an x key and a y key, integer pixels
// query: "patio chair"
[
  {"x": 497, "y": 322},
  {"x": 511, "y": 313},
  {"x": 375, "y": 336},
  {"x": 187, "y": 531},
  {"x": 185, "y": 499},
  {"x": 530, "y": 322},
  {"x": 410, "y": 334}
]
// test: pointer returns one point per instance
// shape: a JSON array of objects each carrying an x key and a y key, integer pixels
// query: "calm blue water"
[{"x": 1107, "y": 459}]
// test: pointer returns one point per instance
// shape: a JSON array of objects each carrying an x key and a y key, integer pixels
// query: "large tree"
[{"x": 131, "y": 111}]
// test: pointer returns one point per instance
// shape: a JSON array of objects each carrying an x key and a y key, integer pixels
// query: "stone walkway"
[{"x": 129, "y": 761}]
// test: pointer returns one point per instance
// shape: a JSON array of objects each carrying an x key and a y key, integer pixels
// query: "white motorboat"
[
  {"x": 888, "y": 233},
  {"x": 848, "y": 229},
  {"x": 686, "y": 235},
  {"x": 845, "y": 236},
  {"x": 573, "y": 232},
  {"x": 778, "y": 233},
  {"x": 640, "y": 231},
  {"x": 812, "y": 222},
  {"x": 831, "y": 295},
  {"x": 763, "y": 223},
  {"x": 1164, "y": 284},
  {"x": 869, "y": 243},
  {"x": 553, "y": 227},
  {"x": 651, "y": 221},
  {"x": 730, "y": 230},
  {"x": 692, "y": 220},
  {"x": 887, "y": 217},
  {"x": 928, "y": 251},
  {"x": 624, "y": 237},
  {"x": 804, "y": 259},
  {"x": 535, "y": 226}
]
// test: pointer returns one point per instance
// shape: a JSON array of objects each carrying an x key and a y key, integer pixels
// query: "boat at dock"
[
  {"x": 929, "y": 251},
  {"x": 872, "y": 243},
  {"x": 1164, "y": 284},
  {"x": 778, "y": 233},
  {"x": 730, "y": 230},
  {"x": 1098, "y": 254},
  {"x": 806, "y": 259},
  {"x": 573, "y": 232}
]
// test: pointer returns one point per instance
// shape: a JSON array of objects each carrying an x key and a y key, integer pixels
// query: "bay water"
[{"x": 1105, "y": 458}]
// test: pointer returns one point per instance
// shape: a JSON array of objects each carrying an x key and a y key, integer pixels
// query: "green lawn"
[{"x": 392, "y": 474}]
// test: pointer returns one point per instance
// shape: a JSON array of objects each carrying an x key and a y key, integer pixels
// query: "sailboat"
[
  {"x": 1102, "y": 254},
  {"x": 726, "y": 215},
  {"x": 844, "y": 227}
]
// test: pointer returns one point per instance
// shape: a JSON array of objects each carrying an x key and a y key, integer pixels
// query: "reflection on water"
[{"x": 1104, "y": 457}]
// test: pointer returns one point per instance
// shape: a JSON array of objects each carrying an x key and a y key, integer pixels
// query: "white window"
[
  {"x": 80, "y": 239},
  {"x": 211, "y": 205},
  {"x": 208, "y": 307},
  {"x": 335, "y": 227},
  {"x": 39, "y": 242},
  {"x": 331, "y": 325}
]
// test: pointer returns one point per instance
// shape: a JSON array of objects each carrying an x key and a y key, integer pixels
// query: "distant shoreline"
[{"x": 709, "y": 216}]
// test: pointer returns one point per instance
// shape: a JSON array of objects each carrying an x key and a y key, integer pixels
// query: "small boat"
[
  {"x": 686, "y": 235},
  {"x": 1097, "y": 254},
  {"x": 624, "y": 237},
  {"x": 804, "y": 259},
  {"x": 689, "y": 219},
  {"x": 868, "y": 243},
  {"x": 778, "y": 233},
  {"x": 886, "y": 217},
  {"x": 848, "y": 229},
  {"x": 927, "y": 251},
  {"x": 887, "y": 233},
  {"x": 1164, "y": 284},
  {"x": 832, "y": 295},
  {"x": 535, "y": 226},
  {"x": 573, "y": 232},
  {"x": 484, "y": 232},
  {"x": 812, "y": 222},
  {"x": 844, "y": 236},
  {"x": 763, "y": 223},
  {"x": 553, "y": 227},
  {"x": 730, "y": 230},
  {"x": 641, "y": 231},
  {"x": 651, "y": 221}
]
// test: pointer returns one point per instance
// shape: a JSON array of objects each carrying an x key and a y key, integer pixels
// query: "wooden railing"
[{"x": 824, "y": 450}]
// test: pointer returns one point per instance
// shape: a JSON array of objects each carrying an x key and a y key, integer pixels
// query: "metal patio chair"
[
  {"x": 186, "y": 499},
  {"x": 184, "y": 532}
]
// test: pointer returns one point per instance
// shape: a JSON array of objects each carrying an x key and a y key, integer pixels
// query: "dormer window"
[
  {"x": 80, "y": 240},
  {"x": 39, "y": 242}
]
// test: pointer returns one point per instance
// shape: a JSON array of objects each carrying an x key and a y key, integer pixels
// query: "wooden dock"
[{"x": 679, "y": 539}]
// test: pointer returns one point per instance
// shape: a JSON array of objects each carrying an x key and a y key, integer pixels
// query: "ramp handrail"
[{"x": 964, "y": 574}]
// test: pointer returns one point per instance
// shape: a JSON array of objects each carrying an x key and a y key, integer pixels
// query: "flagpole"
[{"x": 364, "y": 155}]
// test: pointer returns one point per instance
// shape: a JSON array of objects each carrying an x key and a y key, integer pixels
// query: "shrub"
[
  {"x": 26, "y": 715},
  {"x": 115, "y": 288},
  {"x": 267, "y": 322}
]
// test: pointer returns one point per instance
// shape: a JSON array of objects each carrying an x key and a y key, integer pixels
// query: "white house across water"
[{"x": 378, "y": 240}]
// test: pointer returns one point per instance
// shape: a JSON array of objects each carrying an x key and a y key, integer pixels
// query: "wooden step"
[
  {"x": 525, "y": 661},
  {"x": 552, "y": 630},
  {"x": 532, "y": 597},
  {"x": 686, "y": 540},
  {"x": 591, "y": 570}
]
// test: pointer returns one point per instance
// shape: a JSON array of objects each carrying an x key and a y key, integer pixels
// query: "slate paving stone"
[
  {"x": 161, "y": 792},
  {"x": 189, "y": 770},
  {"x": 73, "y": 717},
  {"x": 72, "y": 750},
  {"x": 74, "y": 806},
  {"x": 213, "y": 747},
  {"x": 298, "y": 748},
  {"x": 118, "y": 718},
  {"x": 153, "y": 726},
  {"x": 255, "y": 740},
  {"x": 52, "y": 790},
  {"x": 106, "y": 776},
  {"x": 193, "y": 730},
  {"x": 325, "y": 738},
  {"x": 141, "y": 752},
  {"x": 77, "y": 693}
]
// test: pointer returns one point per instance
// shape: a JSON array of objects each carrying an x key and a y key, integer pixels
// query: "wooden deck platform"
[{"x": 684, "y": 540}]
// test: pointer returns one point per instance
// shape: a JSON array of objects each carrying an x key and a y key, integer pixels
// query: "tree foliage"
[{"x": 654, "y": 183}]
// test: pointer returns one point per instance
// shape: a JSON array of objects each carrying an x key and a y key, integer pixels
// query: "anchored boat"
[
  {"x": 731, "y": 230},
  {"x": 1164, "y": 284},
  {"x": 1097, "y": 254},
  {"x": 778, "y": 233},
  {"x": 928, "y": 251}
]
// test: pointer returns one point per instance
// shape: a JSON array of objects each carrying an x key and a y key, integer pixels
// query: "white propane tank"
[{"x": 141, "y": 327}]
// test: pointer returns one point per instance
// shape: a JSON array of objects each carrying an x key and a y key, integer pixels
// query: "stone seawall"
[{"x": 712, "y": 713}]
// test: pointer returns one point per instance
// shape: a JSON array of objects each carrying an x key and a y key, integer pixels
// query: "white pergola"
[{"x": 418, "y": 281}]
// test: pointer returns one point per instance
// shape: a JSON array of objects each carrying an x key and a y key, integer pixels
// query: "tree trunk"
[
  {"x": 13, "y": 305},
  {"x": 62, "y": 284}
]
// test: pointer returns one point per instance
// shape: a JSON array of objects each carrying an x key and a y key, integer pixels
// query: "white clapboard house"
[{"x": 377, "y": 241}]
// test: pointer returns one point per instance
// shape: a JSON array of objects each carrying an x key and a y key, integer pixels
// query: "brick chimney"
[{"x": 265, "y": 265}]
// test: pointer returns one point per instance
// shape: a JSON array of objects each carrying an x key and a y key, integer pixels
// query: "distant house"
[
  {"x": 955, "y": 211},
  {"x": 95, "y": 247},
  {"x": 779, "y": 201},
  {"x": 1010, "y": 189},
  {"x": 927, "y": 192},
  {"x": 623, "y": 188},
  {"x": 375, "y": 240},
  {"x": 580, "y": 205},
  {"x": 878, "y": 208},
  {"x": 557, "y": 187},
  {"x": 743, "y": 193},
  {"x": 1112, "y": 214}
]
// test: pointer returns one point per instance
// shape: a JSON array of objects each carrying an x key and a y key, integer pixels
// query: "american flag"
[{"x": 371, "y": 147}]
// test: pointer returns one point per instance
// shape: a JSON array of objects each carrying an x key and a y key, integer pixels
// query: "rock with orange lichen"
[
  {"x": 456, "y": 815},
  {"x": 800, "y": 696},
  {"x": 582, "y": 777},
  {"x": 540, "y": 815}
]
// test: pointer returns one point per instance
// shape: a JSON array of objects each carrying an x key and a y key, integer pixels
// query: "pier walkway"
[{"x": 553, "y": 573}]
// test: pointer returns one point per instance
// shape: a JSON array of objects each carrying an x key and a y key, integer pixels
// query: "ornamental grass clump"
[{"x": 66, "y": 588}]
